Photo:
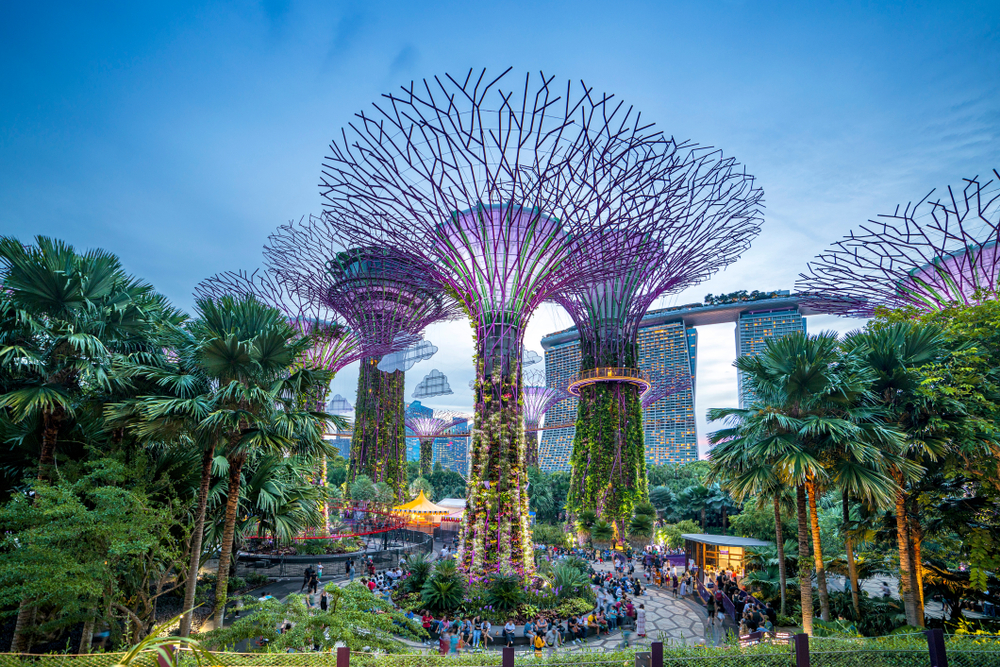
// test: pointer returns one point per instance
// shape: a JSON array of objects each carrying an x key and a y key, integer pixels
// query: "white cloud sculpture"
[
  {"x": 434, "y": 383},
  {"x": 406, "y": 359}
]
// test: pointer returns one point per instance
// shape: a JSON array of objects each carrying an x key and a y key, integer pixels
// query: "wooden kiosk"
[{"x": 718, "y": 552}]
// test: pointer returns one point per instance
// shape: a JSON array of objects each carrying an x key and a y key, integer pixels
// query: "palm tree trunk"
[
  {"x": 780, "y": 542},
  {"x": 852, "y": 567},
  {"x": 703, "y": 518},
  {"x": 228, "y": 532},
  {"x": 916, "y": 536},
  {"x": 824, "y": 594},
  {"x": 19, "y": 644},
  {"x": 903, "y": 544},
  {"x": 805, "y": 568},
  {"x": 88, "y": 635},
  {"x": 51, "y": 419},
  {"x": 190, "y": 586}
]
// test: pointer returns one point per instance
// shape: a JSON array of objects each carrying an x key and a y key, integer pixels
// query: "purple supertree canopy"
[
  {"x": 538, "y": 398},
  {"x": 697, "y": 212},
  {"x": 663, "y": 386},
  {"x": 427, "y": 427},
  {"x": 335, "y": 346},
  {"x": 498, "y": 186},
  {"x": 929, "y": 254},
  {"x": 383, "y": 294}
]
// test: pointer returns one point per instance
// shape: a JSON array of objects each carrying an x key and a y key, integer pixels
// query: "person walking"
[
  {"x": 710, "y": 610},
  {"x": 306, "y": 578},
  {"x": 640, "y": 621},
  {"x": 351, "y": 571}
]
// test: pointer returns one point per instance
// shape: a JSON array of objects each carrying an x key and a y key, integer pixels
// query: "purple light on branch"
[
  {"x": 927, "y": 255},
  {"x": 335, "y": 346}
]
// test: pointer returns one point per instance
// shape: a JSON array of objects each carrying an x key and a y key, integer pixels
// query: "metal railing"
[
  {"x": 609, "y": 374},
  {"x": 924, "y": 649}
]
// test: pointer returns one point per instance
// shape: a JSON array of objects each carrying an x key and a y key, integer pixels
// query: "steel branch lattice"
[
  {"x": 927, "y": 255},
  {"x": 383, "y": 294},
  {"x": 335, "y": 346}
]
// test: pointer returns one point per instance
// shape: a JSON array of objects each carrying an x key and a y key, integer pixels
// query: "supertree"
[
  {"x": 537, "y": 400},
  {"x": 498, "y": 186},
  {"x": 938, "y": 251},
  {"x": 387, "y": 299},
  {"x": 690, "y": 211},
  {"x": 334, "y": 345},
  {"x": 426, "y": 429}
]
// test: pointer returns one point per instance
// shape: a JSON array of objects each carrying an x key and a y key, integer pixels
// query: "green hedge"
[{"x": 892, "y": 651}]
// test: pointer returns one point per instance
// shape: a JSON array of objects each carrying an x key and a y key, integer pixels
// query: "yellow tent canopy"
[{"x": 420, "y": 505}]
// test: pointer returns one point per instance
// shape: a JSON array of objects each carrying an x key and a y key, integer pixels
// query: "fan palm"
[
  {"x": 585, "y": 521},
  {"x": 228, "y": 387},
  {"x": 602, "y": 533},
  {"x": 811, "y": 399},
  {"x": 748, "y": 478},
  {"x": 66, "y": 322},
  {"x": 640, "y": 530},
  {"x": 893, "y": 353}
]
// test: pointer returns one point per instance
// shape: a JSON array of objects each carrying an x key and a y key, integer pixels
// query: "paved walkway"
[{"x": 677, "y": 621}]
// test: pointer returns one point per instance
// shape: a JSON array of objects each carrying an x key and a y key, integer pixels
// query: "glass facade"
[
  {"x": 669, "y": 423},
  {"x": 453, "y": 453},
  {"x": 756, "y": 327}
]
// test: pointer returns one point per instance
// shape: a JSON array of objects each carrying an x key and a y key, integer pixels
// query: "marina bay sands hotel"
[{"x": 668, "y": 343}]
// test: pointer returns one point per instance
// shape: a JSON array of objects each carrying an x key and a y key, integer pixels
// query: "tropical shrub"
[
  {"x": 442, "y": 594},
  {"x": 574, "y": 607},
  {"x": 505, "y": 592},
  {"x": 257, "y": 579},
  {"x": 548, "y": 534},
  {"x": 568, "y": 582},
  {"x": 418, "y": 570}
]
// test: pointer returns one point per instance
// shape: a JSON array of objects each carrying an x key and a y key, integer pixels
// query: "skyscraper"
[
  {"x": 453, "y": 452},
  {"x": 756, "y": 327}
]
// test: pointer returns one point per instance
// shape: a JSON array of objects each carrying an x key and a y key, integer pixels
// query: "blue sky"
[{"x": 179, "y": 135}]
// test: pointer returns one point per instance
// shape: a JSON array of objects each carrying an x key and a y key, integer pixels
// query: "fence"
[
  {"x": 407, "y": 541},
  {"x": 929, "y": 649}
]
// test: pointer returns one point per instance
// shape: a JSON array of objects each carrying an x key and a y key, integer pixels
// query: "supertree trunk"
[
  {"x": 378, "y": 446},
  {"x": 531, "y": 437},
  {"x": 426, "y": 456},
  {"x": 609, "y": 453},
  {"x": 495, "y": 534}
]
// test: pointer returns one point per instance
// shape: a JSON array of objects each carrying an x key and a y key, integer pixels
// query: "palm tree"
[
  {"x": 227, "y": 387},
  {"x": 68, "y": 320},
  {"x": 696, "y": 499},
  {"x": 602, "y": 533},
  {"x": 749, "y": 478},
  {"x": 894, "y": 353},
  {"x": 815, "y": 400}
]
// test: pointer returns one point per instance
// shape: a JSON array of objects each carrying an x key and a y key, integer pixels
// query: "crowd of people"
[
  {"x": 751, "y": 615},
  {"x": 618, "y": 605}
]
